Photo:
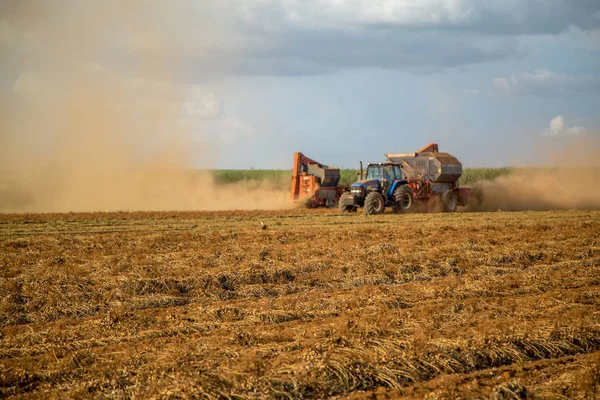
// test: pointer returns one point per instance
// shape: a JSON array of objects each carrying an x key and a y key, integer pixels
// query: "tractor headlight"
[{"x": 356, "y": 190}]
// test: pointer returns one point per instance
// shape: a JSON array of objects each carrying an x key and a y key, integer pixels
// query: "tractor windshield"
[
  {"x": 375, "y": 172},
  {"x": 384, "y": 172},
  {"x": 392, "y": 172}
]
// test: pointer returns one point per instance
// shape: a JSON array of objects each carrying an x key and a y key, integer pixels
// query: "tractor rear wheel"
[
  {"x": 374, "y": 203},
  {"x": 449, "y": 201},
  {"x": 404, "y": 198}
]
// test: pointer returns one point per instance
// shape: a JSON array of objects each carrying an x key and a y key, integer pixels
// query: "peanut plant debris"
[{"x": 207, "y": 305}]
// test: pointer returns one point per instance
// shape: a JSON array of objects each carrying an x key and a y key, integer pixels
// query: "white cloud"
[
  {"x": 231, "y": 130},
  {"x": 557, "y": 127},
  {"x": 201, "y": 104},
  {"x": 586, "y": 40},
  {"x": 137, "y": 94},
  {"x": 542, "y": 82},
  {"x": 29, "y": 85}
]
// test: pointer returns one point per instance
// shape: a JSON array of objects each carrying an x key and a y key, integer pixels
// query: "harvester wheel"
[
  {"x": 449, "y": 201},
  {"x": 404, "y": 198},
  {"x": 374, "y": 203},
  {"x": 331, "y": 203}
]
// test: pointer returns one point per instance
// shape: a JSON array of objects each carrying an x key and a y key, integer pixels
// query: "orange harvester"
[{"x": 315, "y": 183}]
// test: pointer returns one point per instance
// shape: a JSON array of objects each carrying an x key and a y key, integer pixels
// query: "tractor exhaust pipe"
[{"x": 361, "y": 171}]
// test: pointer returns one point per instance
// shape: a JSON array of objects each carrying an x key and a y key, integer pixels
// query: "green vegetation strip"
[{"x": 281, "y": 178}]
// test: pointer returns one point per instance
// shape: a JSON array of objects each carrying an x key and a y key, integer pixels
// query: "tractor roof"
[{"x": 385, "y": 163}]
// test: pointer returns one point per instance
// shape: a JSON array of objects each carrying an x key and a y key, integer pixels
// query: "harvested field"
[{"x": 208, "y": 305}]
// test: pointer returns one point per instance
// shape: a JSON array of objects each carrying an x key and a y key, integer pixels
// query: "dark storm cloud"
[
  {"x": 319, "y": 36},
  {"x": 504, "y": 17},
  {"x": 305, "y": 53},
  {"x": 283, "y": 37}
]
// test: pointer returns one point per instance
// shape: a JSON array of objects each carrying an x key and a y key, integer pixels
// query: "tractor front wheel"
[{"x": 374, "y": 203}]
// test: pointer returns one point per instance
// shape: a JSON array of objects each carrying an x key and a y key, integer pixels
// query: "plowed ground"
[{"x": 178, "y": 305}]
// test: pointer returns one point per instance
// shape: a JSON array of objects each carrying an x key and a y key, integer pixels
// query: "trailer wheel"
[
  {"x": 404, "y": 198},
  {"x": 344, "y": 208},
  {"x": 449, "y": 201},
  {"x": 374, "y": 203},
  {"x": 432, "y": 204},
  {"x": 331, "y": 203}
]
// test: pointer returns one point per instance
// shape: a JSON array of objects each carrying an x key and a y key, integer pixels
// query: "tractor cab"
[{"x": 384, "y": 172}]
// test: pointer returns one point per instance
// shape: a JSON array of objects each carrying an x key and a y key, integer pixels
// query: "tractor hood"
[{"x": 369, "y": 184}]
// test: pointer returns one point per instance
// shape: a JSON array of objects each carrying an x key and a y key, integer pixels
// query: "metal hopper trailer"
[{"x": 426, "y": 179}]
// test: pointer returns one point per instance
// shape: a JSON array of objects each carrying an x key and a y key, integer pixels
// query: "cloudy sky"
[{"x": 341, "y": 81}]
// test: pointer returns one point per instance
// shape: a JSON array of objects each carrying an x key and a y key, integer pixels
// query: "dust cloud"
[
  {"x": 93, "y": 118},
  {"x": 568, "y": 178}
]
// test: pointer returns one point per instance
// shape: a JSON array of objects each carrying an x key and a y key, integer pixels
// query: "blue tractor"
[
  {"x": 425, "y": 180},
  {"x": 380, "y": 186}
]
